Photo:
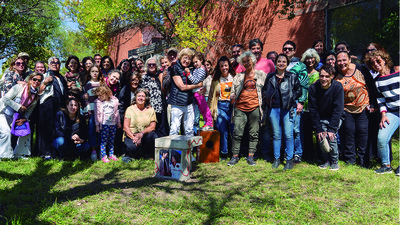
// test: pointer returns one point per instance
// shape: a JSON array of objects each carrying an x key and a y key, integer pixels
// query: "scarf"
[{"x": 25, "y": 100}]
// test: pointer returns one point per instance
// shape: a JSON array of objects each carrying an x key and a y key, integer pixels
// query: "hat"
[
  {"x": 23, "y": 54},
  {"x": 172, "y": 49}
]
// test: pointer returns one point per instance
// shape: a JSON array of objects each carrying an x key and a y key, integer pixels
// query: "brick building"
[{"x": 332, "y": 21}]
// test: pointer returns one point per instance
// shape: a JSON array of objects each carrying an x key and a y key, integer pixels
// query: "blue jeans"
[
  {"x": 282, "y": 118},
  {"x": 196, "y": 124},
  {"x": 224, "y": 125},
  {"x": 333, "y": 155},
  {"x": 384, "y": 136},
  {"x": 60, "y": 144},
  {"x": 298, "y": 134},
  {"x": 94, "y": 137}
]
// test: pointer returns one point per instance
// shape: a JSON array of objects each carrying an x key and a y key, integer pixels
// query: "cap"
[
  {"x": 172, "y": 49},
  {"x": 23, "y": 54}
]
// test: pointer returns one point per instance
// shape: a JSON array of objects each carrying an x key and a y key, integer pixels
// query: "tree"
[
  {"x": 174, "y": 20},
  {"x": 25, "y": 26}
]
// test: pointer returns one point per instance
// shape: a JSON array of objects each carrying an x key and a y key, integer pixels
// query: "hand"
[
  {"x": 86, "y": 96},
  {"x": 22, "y": 109},
  {"x": 202, "y": 91},
  {"x": 20, "y": 122},
  {"x": 331, "y": 136},
  {"x": 187, "y": 71},
  {"x": 165, "y": 73},
  {"x": 299, "y": 108},
  {"x": 321, "y": 136},
  {"x": 98, "y": 129},
  {"x": 48, "y": 80},
  {"x": 384, "y": 120},
  {"x": 70, "y": 84},
  {"x": 118, "y": 126},
  {"x": 75, "y": 137},
  {"x": 21, "y": 82}
]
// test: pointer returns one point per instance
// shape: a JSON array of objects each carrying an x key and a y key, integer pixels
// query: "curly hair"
[
  {"x": 103, "y": 90},
  {"x": 245, "y": 55},
  {"x": 384, "y": 55},
  {"x": 146, "y": 92}
]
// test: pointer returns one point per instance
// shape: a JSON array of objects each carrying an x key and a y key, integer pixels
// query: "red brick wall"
[
  {"x": 258, "y": 21},
  {"x": 122, "y": 43}
]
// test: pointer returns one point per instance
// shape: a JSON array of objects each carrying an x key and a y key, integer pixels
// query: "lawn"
[{"x": 81, "y": 192}]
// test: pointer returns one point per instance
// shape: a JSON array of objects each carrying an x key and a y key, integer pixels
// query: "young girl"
[
  {"x": 199, "y": 74},
  {"x": 94, "y": 79},
  {"x": 107, "y": 120}
]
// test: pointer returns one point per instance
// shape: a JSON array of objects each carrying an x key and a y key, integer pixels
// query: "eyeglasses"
[
  {"x": 35, "y": 79},
  {"x": 370, "y": 50},
  {"x": 287, "y": 49},
  {"x": 55, "y": 63},
  {"x": 20, "y": 64},
  {"x": 151, "y": 64},
  {"x": 378, "y": 61}
]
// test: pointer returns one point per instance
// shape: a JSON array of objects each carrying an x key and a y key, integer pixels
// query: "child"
[
  {"x": 107, "y": 120},
  {"x": 94, "y": 79},
  {"x": 199, "y": 74}
]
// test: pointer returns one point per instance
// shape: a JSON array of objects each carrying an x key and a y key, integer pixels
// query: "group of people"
[{"x": 95, "y": 108}]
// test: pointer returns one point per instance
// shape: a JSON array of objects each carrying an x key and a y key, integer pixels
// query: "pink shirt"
[
  {"x": 239, "y": 68},
  {"x": 265, "y": 65}
]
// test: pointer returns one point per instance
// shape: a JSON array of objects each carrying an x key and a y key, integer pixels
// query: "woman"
[
  {"x": 70, "y": 131},
  {"x": 139, "y": 126},
  {"x": 112, "y": 81},
  {"x": 164, "y": 63},
  {"x": 87, "y": 62},
  {"x": 106, "y": 65},
  {"x": 15, "y": 75},
  {"x": 39, "y": 67},
  {"x": 246, "y": 95},
  {"x": 280, "y": 92},
  {"x": 139, "y": 64},
  {"x": 126, "y": 69},
  {"x": 21, "y": 98},
  {"x": 331, "y": 59},
  {"x": 319, "y": 47},
  {"x": 208, "y": 80},
  {"x": 151, "y": 82},
  {"x": 127, "y": 94},
  {"x": 387, "y": 83},
  {"x": 310, "y": 58},
  {"x": 219, "y": 101},
  {"x": 181, "y": 97},
  {"x": 357, "y": 98},
  {"x": 74, "y": 82},
  {"x": 54, "y": 96}
]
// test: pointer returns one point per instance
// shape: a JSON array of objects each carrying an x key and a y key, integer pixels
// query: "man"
[
  {"x": 272, "y": 56},
  {"x": 300, "y": 69},
  {"x": 266, "y": 65},
  {"x": 165, "y": 170},
  {"x": 326, "y": 105},
  {"x": 97, "y": 59},
  {"x": 237, "y": 50}
]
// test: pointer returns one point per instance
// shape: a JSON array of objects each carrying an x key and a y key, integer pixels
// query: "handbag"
[{"x": 22, "y": 130}]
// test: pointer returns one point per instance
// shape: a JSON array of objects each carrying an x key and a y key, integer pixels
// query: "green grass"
[{"x": 82, "y": 192}]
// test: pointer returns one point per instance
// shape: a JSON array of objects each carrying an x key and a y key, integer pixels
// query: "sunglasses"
[
  {"x": 151, "y": 64},
  {"x": 378, "y": 61},
  {"x": 370, "y": 50},
  {"x": 287, "y": 49},
  {"x": 55, "y": 63},
  {"x": 20, "y": 64},
  {"x": 35, "y": 79}
]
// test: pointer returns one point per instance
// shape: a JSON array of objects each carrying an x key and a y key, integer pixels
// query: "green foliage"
[
  {"x": 388, "y": 33},
  {"x": 25, "y": 26},
  {"x": 101, "y": 20},
  {"x": 288, "y": 7}
]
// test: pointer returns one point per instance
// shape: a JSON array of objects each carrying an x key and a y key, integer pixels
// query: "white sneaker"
[{"x": 94, "y": 156}]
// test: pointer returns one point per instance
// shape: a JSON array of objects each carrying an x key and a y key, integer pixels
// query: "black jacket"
[
  {"x": 289, "y": 87},
  {"x": 177, "y": 96},
  {"x": 65, "y": 131}
]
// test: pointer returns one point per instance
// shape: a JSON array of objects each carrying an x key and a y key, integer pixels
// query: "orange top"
[
  {"x": 356, "y": 96},
  {"x": 248, "y": 98}
]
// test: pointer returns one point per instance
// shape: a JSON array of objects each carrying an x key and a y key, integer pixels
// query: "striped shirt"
[
  {"x": 89, "y": 88},
  {"x": 389, "y": 92}
]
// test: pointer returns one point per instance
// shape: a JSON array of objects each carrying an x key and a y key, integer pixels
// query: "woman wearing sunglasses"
[
  {"x": 151, "y": 82},
  {"x": 15, "y": 74},
  {"x": 21, "y": 98}
]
